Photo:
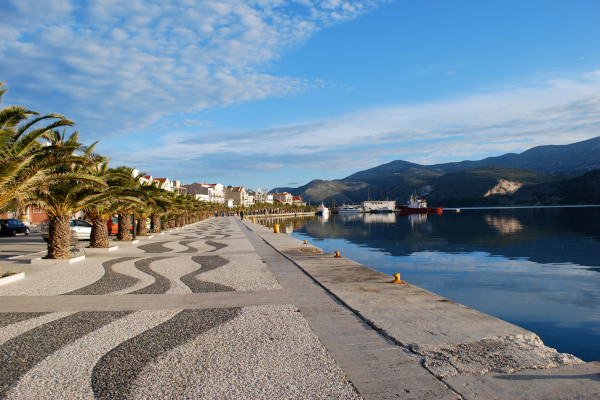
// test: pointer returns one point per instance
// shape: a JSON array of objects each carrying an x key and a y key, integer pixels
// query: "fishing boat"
[
  {"x": 323, "y": 210},
  {"x": 417, "y": 205}
]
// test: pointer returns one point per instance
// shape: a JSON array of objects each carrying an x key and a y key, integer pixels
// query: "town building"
[
  {"x": 239, "y": 195},
  {"x": 297, "y": 201},
  {"x": 210, "y": 192},
  {"x": 284, "y": 198}
]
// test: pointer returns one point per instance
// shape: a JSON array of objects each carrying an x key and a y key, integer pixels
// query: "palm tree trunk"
[
  {"x": 99, "y": 235},
  {"x": 124, "y": 234},
  {"x": 156, "y": 223},
  {"x": 59, "y": 238},
  {"x": 142, "y": 228}
]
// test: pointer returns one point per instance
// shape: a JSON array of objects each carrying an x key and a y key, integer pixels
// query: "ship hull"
[{"x": 421, "y": 210}]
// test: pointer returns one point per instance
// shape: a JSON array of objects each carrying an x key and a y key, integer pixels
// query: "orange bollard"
[
  {"x": 337, "y": 254},
  {"x": 397, "y": 278},
  {"x": 276, "y": 228},
  {"x": 305, "y": 242}
]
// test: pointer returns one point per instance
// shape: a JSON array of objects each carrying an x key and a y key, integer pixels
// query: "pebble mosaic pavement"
[{"x": 255, "y": 351}]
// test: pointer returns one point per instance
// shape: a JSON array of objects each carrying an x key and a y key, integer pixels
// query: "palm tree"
[
  {"x": 130, "y": 182},
  {"x": 108, "y": 204},
  {"x": 24, "y": 162},
  {"x": 154, "y": 202},
  {"x": 62, "y": 199}
]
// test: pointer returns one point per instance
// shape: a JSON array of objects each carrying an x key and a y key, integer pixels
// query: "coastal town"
[
  {"x": 212, "y": 194},
  {"x": 299, "y": 199}
]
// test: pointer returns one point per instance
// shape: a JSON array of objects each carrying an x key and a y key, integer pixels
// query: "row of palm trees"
[{"x": 42, "y": 165}]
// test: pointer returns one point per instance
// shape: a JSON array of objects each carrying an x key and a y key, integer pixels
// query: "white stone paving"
[
  {"x": 267, "y": 352},
  {"x": 66, "y": 373}
]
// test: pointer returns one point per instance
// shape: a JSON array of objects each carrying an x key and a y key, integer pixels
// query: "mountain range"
[{"x": 543, "y": 175}]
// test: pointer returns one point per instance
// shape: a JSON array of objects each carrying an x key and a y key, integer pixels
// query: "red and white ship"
[{"x": 416, "y": 205}]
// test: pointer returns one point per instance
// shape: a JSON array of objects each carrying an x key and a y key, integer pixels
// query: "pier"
[{"x": 226, "y": 308}]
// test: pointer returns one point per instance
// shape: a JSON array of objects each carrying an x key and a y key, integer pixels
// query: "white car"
[{"x": 80, "y": 229}]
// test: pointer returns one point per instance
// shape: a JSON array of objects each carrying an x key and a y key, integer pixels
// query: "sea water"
[{"x": 538, "y": 268}]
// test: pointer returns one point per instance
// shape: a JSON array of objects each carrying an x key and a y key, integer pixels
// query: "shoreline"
[
  {"x": 457, "y": 344},
  {"x": 228, "y": 309}
]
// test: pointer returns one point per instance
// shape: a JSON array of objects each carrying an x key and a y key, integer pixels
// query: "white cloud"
[
  {"x": 559, "y": 111},
  {"x": 134, "y": 62}
]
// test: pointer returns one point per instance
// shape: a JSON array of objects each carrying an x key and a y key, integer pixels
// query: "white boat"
[
  {"x": 349, "y": 209},
  {"x": 323, "y": 210}
]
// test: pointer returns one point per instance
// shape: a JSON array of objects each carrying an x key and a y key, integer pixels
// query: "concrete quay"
[{"x": 228, "y": 309}]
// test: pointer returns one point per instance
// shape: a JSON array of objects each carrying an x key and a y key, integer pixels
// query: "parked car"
[
  {"x": 80, "y": 229},
  {"x": 11, "y": 227},
  {"x": 113, "y": 225}
]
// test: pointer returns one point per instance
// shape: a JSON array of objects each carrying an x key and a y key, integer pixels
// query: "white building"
[{"x": 211, "y": 192}]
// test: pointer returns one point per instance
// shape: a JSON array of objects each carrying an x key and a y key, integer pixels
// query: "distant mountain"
[{"x": 541, "y": 174}]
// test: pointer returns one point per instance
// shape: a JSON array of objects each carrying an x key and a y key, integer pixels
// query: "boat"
[
  {"x": 349, "y": 209},
  {"x": 417, "y": 205},
  {"x": 323, "y": 210}
]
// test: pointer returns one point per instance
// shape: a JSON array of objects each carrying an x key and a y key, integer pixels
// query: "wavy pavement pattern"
[
  {"x": 216, "y": 245},
  {"x": 207, "y": 263},
  {"x": 13, "y": 318},
  {"x": 190, "y": 249},
  {"x": 157, "y": 247},
  {"x": 111, "y": 281},
  {"x": 20, "y": 354},
  {"x": 160, "y": 285},
  {"x": 114, "y": 375}
]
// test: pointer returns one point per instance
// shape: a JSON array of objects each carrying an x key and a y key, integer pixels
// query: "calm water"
[{"x": 538, "y": 268}]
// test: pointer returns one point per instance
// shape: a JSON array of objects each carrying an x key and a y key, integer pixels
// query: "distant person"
[{"x": 241, "y": 215}]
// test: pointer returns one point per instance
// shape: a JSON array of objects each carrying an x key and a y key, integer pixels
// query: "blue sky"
[{"x": 269, "y": 93}]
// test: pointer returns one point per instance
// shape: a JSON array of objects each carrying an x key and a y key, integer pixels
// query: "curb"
[{"x": 12, "y": 278}]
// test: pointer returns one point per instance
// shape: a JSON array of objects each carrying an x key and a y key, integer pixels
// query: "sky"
[{"x": 276, "y": 93}]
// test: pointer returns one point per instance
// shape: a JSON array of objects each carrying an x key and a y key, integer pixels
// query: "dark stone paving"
[
  {"x": 207, "y": 263},
  {"x": 110, "y": 282},
  {"x": 115, "y": 373},
  {"x": 160, "y": 285},
  {"x": 14, "y": 317},
  {"x": 157, "y": 247},
  {"x": 20, "y": 354},
  {"x": 186, "y": 243},
  {"x": 216, "y": 245}
]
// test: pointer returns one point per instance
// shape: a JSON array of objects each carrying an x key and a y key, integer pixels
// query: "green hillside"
[{"x": 541, "y": 175}]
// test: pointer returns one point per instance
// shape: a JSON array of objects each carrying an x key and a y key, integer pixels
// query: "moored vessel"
[
  {"x": 349, "y": 209},
  {"x": 323, "y": 210},
  {"x": 417, "y": 205}
]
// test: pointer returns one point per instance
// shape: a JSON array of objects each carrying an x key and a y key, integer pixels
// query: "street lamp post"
[{"x": 134, "y": 226}]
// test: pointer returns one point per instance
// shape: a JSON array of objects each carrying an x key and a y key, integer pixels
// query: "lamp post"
[{"x": 134, "y": 226}]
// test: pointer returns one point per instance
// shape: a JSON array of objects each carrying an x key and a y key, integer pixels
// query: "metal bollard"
[
  {"x": 397, "y": 278},
  {"x": 276, "y": 228},
  {"x": 337, "y": 254}
]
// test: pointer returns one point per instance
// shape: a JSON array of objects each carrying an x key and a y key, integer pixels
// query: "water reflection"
[
  {"x": 537, "y": 268},
  {"x": 504, "y": 224}
]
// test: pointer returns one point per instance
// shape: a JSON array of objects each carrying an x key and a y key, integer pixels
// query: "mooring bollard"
[
  {"x": 253, "y": 220},
  {"x": 276, "y": 228},
  {"x": 397, "y": 278},
  {"x": 337, "y": 254},
  {"x": 305, "y": 242}
]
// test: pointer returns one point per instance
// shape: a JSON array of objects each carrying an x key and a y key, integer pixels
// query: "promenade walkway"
[{"x": 222, "y": 309}]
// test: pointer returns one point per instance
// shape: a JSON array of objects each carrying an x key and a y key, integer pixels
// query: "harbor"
[{"x": 226, "y": 308}]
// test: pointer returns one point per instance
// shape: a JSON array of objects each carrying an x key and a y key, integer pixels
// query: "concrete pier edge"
[{"x": 463, "y": 343}]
